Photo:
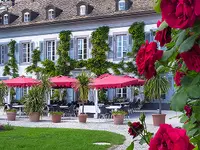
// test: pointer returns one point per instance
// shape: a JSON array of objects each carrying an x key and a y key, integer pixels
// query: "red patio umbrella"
[
  {"x": 21, "y": 82},
  {"x": 62, "y": 81},
  {"x": 112, "y": 81}
]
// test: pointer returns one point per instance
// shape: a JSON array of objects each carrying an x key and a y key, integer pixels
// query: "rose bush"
[{"x": 179, "y": 33}]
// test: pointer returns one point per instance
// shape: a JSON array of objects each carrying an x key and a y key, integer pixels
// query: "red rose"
[
  {"x": 192, "y": 58},
  {"x": 169, "y": 138},
  {"x": 180, "y": 13},
  {"x": 163, "y": 36},
  {"x": 188, "y": 111},
  {"x": 146, "y": 57},
  {"x": 177, "y": 78},
  {"x": 135, "y": 129}
]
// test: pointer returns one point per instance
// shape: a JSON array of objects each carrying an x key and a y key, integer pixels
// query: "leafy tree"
[
  {"x": 11, "y": 68},
  {"x": 98, "y": 63},
  {"x": 64, "y": 64},
  {"x": 34, "y": 67},
  {"x": 49, "y": 68}
]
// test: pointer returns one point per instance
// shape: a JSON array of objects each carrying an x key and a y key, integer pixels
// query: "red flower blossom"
[
  {"x": 188, "y": 111},
  {"x": 177, "y": 78},
  {"x": 192, "y": 58},
  {"x": 180, "y": 13},
  {"x": 135, "y": 129},
  {"x": 146, "y": 57},
  {"x": 163, "y": 36},
  {"x": 169, "y": 138}
]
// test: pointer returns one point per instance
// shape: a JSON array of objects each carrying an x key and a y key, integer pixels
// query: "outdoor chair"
[
  {"x": 104, "y": 113},
  {"x": 71, "y": 111}
]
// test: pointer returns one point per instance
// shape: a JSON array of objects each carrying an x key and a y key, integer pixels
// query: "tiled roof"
[{"x": 101, "y": 8}]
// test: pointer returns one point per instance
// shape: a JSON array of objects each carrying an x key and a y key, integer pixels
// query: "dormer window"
[
  {"x": 122, "y": 5},
  {"x": 5, "y": 19},
  {"x": 82, "y": 10},
  {"x": 27, "y": 17},
  {"x": 51, "y": 14}
]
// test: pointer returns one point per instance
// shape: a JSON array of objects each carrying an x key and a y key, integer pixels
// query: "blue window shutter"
[
  {"x": 18, "y": 94},
  {"x": 111, "y": 52},
  {"x": 89, "y": 47},
  {"x": 115, "y": 47},
  {"x": 17, "y": 51},
  {"x": 57, "y": 45},
  {"x": 6, "y": 54},
  {"x": 130, "y": 43},
  {"x": 42, "y": 50},
  {"x": 75, "y": 49},
  {"x": 32, "y": 48},
  {"x": 71, "y": 51}
]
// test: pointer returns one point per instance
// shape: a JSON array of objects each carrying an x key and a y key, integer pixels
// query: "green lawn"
[{"x": 56, "y": 139}]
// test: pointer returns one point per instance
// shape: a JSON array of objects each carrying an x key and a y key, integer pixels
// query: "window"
[
  {"x": 122, "y": 46},
  {"x": 51, "y": 14},
  {"x": 51, "y": 50},
  {"x": 26, "y": 52},
  {"x": 82, "y": 10},
  {"x": 24, "y": 91},
  {"x": 122, "y": 5},
  {"x": 82, "y": 48},
  {"x": 27, "y": 17},
  {"x": 5, "y": 19},
  {"x": 121, "y": 93},
  {"x": 2, "y": 54}
]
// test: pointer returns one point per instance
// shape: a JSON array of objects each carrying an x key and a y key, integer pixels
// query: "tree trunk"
[
  {"x": 160, "y": 107},
  {"x": 83, "y": 108}
]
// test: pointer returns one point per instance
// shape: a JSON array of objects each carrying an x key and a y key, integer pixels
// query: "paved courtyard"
[{"x": 98, "y": 124}]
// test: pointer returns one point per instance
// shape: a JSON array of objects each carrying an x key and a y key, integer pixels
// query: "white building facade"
[{"x": 37, "y": 24}]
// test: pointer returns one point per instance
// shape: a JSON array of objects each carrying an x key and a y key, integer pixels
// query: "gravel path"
[{"x": 96, "y": 124}]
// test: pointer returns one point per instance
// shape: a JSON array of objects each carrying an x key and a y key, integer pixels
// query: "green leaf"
[
  {"x": 131, "y": 146},
  {"x": 142, "y": 141},
  {"x": 163, "y": 26},
  {"x": 179, "y": 100},
  {"x": 193, "y": 91},
  {"x": 168, "y": 54},
  {"x": 186, "y": 81},
  {"x": 188, "y": 43},
  {"x": 184, "y": 119},
  {"x": 157, "y": 6},
  {"x": 181, "y": 37},
  {"x": 192, "y": 132}
]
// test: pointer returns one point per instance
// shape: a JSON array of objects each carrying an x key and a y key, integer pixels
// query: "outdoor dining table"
[
  {"x": 122, "y": 103},
  {"x": 64, "y": 107},
  {"x": 115, "y": 108},
  {"x": 20, "y": 109}
]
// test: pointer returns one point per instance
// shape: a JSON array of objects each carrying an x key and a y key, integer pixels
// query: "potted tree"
[
  {"x": 83, "y": 87},
  {"x": 34, "y": 103},
  {"x": 11, "y": 114},
  {"x": 154, "y": 89},
  {"x": 118, "y": 116},
  {"x": 36, "y": 98},
  {"x": 56, "y": 116}
]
